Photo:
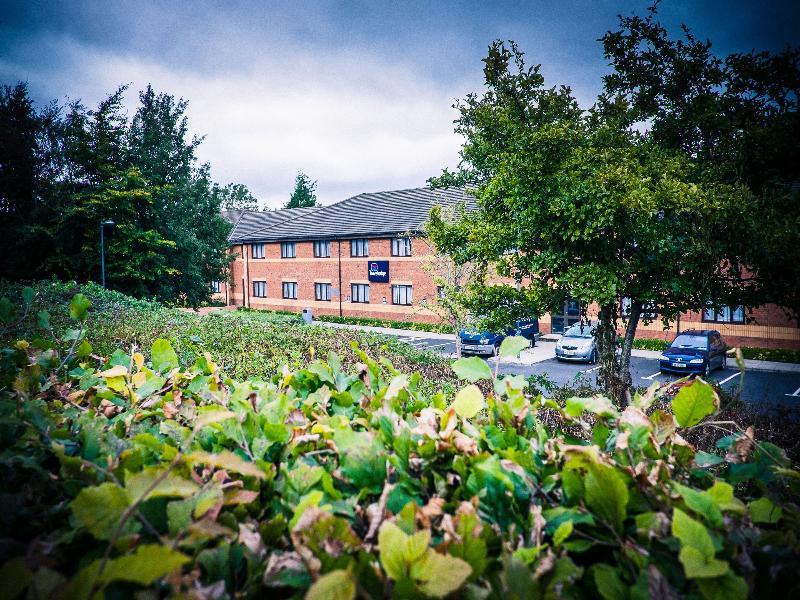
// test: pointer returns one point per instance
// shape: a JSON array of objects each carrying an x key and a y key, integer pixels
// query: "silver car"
[{"x": 578, "y": 343}]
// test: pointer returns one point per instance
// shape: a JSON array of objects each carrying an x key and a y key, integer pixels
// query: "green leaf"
[
  {"x": 701, "y": 503},
  {"x": 697, "y": 548},
  {"x": 705, "y": 459},
  {"x": 764, "y": 511},
  {"x": 439, "y": 575},
  {"x": 562, "y": 532},
  {"x": 171, "y": 486},
  {"x": 15, "y": 577},
  {"x": 722, "y": 495},
  {"x": 163, "y": 356},
  {"x": 728, "y": 587},
  {"x": 229, "y": 461},
  {"x": 598, "y": 405},
  {"x": 148, "y": 564},
  {"x": 513, "y": 345},
  {"x": 606, "y": 493},
  {"x": 43, "y": 319},
  {"x": 214, "y": 415},
  {"x": 608, "y": 582},
  {"x": 336, "y": 585},
  {"x": 693, "y": 403},
  {"x": 27, "y": 295},
  {"x": 99, "y": 509},
  {"x": 79, "y": 307},
  {"x": 469, "y": 401},
  {"x": 472, "y": 369},
  {"x": 391, "y": 545}
]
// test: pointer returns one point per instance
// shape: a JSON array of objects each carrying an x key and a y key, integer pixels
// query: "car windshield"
[
  {"x": 690, "y": 341},
  {"x": 578, "y": 331}
]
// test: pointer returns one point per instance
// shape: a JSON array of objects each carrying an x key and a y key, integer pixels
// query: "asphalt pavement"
[{"x": 766, "y": 390}]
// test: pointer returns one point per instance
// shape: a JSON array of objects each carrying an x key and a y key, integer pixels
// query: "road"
[{"x": 763, "y": 389}]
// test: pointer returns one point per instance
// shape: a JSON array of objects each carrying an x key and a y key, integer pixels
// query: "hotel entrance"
[{"x": 571, "y": 314}]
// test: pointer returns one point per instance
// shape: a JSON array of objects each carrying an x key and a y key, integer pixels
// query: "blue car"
[
  {"x": 486, "y": 342},
  {"x": 695, "y": 351}
]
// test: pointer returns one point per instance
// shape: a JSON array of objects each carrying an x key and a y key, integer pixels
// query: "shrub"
[
  {"x": 132, "y": 472},
  {"x": 774, "y": 354},
  {"x": 413, "y": 326},
  {"x": 650, "y": 344}
]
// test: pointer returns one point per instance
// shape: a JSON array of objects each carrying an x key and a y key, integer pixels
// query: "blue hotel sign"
[{"x": 378, "y": 271}]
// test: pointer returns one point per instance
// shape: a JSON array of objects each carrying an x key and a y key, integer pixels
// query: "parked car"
[
  {"x": 695, "y": 351},
  {"x": 578, "y": 343},
  {"x": 487, "y": 343}
]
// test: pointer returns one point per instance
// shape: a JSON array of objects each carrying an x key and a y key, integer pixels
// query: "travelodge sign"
[{"x": 378, "y": 271}]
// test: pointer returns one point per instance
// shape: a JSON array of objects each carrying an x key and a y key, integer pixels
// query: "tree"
[
  {"x": 736, "y": 119},
  {"x": 234, "y": 196},
  {"x": 575, "y": 203},
  {"x": 304, "y": 195}
]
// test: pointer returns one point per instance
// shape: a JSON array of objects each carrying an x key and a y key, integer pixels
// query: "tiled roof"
[{"x": 366, "y": 215}]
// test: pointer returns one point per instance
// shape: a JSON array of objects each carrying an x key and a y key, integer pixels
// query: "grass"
[{"x": 246, "y": 343}]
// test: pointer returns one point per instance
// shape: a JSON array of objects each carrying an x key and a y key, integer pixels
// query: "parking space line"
[
  {"x": 796, "y": 393},
  {"x": 727, "y": 379},
  {"x": 590, "y": 370},
  {"x": 653, "y": 376}
]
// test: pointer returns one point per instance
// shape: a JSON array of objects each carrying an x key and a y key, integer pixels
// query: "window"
[
  {"x": 322, "y": 291},
  {"x": 440, "y": 291},
  {"x": 724, "y": 314},
  {"x": 290, "y": 290},
  {"x": 260, "y": 289},
  {"x": 359, "y": 247},
  {"x": 288, "y": 250},
  {"x": 648, "y": 309},
  {"x": 401, "y": 246},
  {"x": 322, "y": 249},
  {"x": 401, "y": 294},
  {"x": 359, "y": 293},
  {"x": 216, "y": 287},
  {"x": 257, "y": 251}
]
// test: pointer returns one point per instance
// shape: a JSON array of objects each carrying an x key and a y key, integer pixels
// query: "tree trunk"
[
  {"x": 609, "y": 377},
  {"x": 627, "y": 344}
]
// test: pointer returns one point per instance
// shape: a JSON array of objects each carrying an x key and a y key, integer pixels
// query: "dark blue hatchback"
[
  {"x": 486, "y": 342},
  {"x": 695, "y": 351}
]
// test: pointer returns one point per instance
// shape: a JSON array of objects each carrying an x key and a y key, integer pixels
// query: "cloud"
[{"x": 353, "y": 121}]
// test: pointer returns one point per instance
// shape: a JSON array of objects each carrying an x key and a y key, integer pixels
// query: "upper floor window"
[
  {"x": 322, "y": 291},
  {"x": 288, "y": 250},
  {"x": 260, "y": 289},
  {"x": 257, "y": 250},
  {"x": 724, "y": 314},
  {"x": 322, "y": 249},
  {"x": 359, "y": 247},
  {"x": 290, "y": 290},
  {"x": 401, "y": 246},
  {"x": 401, "y": 294},
  {"x": 216, "y": 287},
  {"x": 359, "y": 292}
]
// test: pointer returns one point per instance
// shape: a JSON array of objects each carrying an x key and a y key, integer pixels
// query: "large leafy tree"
[
  {"x": 304, "y": 193},
  {"x": 576, "y": 203},
  {"x": 736, "y": 119},
  {"x": 235, "y": 196}
]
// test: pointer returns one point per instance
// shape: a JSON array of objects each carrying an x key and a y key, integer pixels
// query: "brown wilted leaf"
[{"x": 465, "y": 444}]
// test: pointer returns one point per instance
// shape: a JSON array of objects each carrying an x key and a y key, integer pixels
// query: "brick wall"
[{"x": 766, "y": 326}]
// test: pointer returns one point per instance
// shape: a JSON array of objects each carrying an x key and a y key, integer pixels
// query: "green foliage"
[
  {"x": 650, "y": 344},
  {"x": 234, "y": 196},
  {"x": 472, "y": 369},
  {"x": 776, "y": 354},
  {"x": 432, "y": 327},
  {"x": 304, "y": 193},
  {"x": 326, "y": 482},
  {"x": 67, "y": 169}
]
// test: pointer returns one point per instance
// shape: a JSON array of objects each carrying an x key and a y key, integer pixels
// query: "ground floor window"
[
  {"x": 724, "y": 314},
  {"x": 401, "y": 294},
  {"x": 216, "y": 287},
  {"x": 290, "y": 290},
  {"x": 359, "y": 292},
  {"x": 322, "y": 291},
  {"x": 260, "y": 289},
  {"x": 648, "y": 309}
]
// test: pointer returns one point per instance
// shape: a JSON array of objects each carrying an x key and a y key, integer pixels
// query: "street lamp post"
[{"x": 103, "y": 225}]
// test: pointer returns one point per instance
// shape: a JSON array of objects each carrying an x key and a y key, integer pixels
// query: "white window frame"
[
  {"x": 259, "y": 286},
  {"x": 402, "y": 295},
  {"x": 322, "y": 249},
  {"x": 258, "y": 250},
  {"x": 288, "y": 250},
  {"x": 322, "y": 291},
  {"x": 724, "y": 314},
  {"x": 216, "y": 287},
  {"x": 291, "y": 288},
  {"x": 359, "y": 293},
  {"x": 359, "y": 247},
  {"x": 401, "y": 246}
]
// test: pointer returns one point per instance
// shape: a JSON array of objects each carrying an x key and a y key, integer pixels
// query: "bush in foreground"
[{"x": 131, "y": 472}]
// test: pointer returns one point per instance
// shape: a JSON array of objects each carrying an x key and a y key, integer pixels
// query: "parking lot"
[{"x": 766, "y": 390}]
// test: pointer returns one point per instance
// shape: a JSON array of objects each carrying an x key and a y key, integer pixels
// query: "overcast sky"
[{"x": 356, "y": 94}]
